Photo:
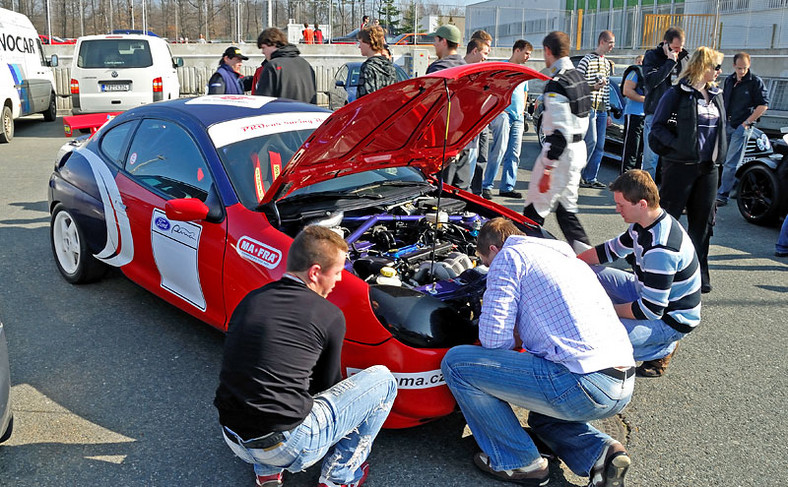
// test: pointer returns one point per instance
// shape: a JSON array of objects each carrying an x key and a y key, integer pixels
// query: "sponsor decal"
[
  {"x": 258, "y": 252},
  {"x": 162, "y": 223},
  {"x": 232, "y": 131},
  {"x": 10, "y": 42},
  {"x": 412, "y": 380},
  {"x": 133, "y": 158},
  {"x": 180, "y": 230}
]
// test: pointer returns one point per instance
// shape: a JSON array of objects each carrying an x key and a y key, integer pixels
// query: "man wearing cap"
[
  {"x": 228, "y": 78},
  {"x": 285, "y": 73},
  {"x": 447, "y": 39}
]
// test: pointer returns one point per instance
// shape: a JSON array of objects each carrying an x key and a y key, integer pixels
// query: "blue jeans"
[
  {"x": 650, "y": 159},
  {"x": 484, "y": 381},
  {"x": 507, "y": 139},
  {"x": 344, "y": 422},
  {"x": 737, "y": 145},
  {"x": 595, "y": 144},
  {"x": 782, "y": 240},
  {"x": 651, "y": 339}
]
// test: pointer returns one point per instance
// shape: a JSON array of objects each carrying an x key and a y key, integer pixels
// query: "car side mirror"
[
  {"x": 340, "y": 83},
  {"x": 186, "y": 209},
  {"x": 54, "y": 61},
  {"x": 177, "y": 62}
]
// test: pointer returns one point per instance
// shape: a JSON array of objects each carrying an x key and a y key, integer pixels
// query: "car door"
[{"x": 180, "y": 261}]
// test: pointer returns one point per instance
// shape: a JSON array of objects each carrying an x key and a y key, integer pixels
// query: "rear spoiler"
[{"x": 93, "y": 121}]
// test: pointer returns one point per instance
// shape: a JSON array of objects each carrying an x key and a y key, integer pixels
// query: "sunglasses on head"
[{"x": 718, "y": 67}]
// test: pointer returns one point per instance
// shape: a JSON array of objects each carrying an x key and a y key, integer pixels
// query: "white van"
[
  {"x": 112, "y": 73},
  {"x": 27, "y": 84}
]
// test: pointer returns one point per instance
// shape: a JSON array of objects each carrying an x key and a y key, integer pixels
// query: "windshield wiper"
[
  {"x": 396, "y": 183},
  {"x": 329, "y": 195}
]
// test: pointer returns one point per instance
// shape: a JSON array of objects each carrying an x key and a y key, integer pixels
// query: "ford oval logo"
[
  {"x": 114, "y": 74},
  {"x": 162, "y": 223}
]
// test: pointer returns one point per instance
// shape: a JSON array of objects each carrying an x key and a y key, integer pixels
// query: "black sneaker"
[
  {"x": 487, "y": 194},
  {"x": 596, "y": 184},
  {"x": 584, "y": 183},
  {"x": 532, "y": 475},
  {"x": 721, "y": 202},
  {"x": 611, "y": 467},
  {"x": 510, "y": 194}
]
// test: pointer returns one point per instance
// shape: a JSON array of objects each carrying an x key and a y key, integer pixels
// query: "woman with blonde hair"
[
  {"x": 378, "y": 70},
  {"x": 688, "y": 132}
]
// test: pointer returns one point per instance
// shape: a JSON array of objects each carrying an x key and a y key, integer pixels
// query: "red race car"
[{"x": 198, "y": 200}]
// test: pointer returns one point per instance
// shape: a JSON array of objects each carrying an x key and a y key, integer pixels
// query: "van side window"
[
  {"x": 41, "y": 57},
  {"x": 113, "y": 143},
  {"x": 164, "y": 157}
]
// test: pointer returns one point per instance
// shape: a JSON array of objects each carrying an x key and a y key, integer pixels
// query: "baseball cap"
[
  {"x": 232, "y": 52},
  {"x": 449, "y": 32}
]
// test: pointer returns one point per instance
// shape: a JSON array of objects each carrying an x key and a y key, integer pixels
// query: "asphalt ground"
[{"x": 111, "y": 386}]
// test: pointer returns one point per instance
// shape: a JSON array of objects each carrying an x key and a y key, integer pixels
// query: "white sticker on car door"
[{"x": 175, "y": 246}]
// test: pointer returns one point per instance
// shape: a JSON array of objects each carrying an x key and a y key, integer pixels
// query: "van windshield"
[{"x": 115, "y": 54}]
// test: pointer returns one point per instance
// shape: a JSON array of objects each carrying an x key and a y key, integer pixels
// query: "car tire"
[
  {"x": 6, "y": 125},
  {"x": 69, "y": 247},
  {"x": 50, "y": 114},
  {"x": 538, "y": 130},
  {"x": 8, "y": 430},
  {"x": 759, "y": 195}
]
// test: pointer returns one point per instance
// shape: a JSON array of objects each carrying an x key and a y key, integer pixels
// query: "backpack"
[{"x": 641, "y": 79}]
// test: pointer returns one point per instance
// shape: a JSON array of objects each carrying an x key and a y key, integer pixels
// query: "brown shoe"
[
  {"x": 611, "y": 467},
  {"x": 534, "y": 475},
  {"x": 656, "y": 368}
]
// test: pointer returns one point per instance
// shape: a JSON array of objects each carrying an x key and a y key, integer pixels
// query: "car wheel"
[
  {"x": 69, "y": 247},
  {"x": 538, "y": 130},
  {"x": 8, "y": 430},
  {"x": 7, "y": 126},
  {"x": 759, "y": 195},
  {"x": 51, "y": 113}
]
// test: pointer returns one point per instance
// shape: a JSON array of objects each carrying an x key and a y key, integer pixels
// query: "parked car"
[
  {"x": 6, "y": 414},
  {"x": 198, "y": 200},
  {"x": 54, "y": 40},
  {"x": 116, "y": 72},
  {"x": 345, "y": 87},
  {"x": 762, "y": 194},
  {"x": 413, "y": 39}
]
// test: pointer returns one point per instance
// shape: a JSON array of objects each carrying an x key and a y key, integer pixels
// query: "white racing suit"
[{"x": 565, "y": 151}]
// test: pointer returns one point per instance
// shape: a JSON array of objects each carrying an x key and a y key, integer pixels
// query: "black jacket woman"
[{"x": 688, "y": 132}]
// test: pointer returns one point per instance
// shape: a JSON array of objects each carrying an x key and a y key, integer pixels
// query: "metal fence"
[{"x": 724, "y": 24}]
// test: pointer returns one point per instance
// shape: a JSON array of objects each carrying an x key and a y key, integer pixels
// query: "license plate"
[{"x": 116, "y": 87}]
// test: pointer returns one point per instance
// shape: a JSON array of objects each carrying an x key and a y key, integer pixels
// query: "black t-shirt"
[{"x": 283, "y": 345}]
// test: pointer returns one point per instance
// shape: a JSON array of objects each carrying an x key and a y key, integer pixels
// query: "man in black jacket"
[
  {"x": 282, "y": 404},
  {"x": 661, "y": 66},
  {"x": 285, "y": 73}
]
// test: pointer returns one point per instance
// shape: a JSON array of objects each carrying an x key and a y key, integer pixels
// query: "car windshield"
[
  {"x": 114, "y": 54},
  {"x": 253, "y": 164}
]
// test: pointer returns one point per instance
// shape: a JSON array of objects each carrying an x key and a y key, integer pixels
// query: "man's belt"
[
  {"x": 266, "y": 442},
  {"x": 619, "y": 374}
]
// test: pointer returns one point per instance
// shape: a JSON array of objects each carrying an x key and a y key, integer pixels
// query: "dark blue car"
[{"x": 345, "y": 86}]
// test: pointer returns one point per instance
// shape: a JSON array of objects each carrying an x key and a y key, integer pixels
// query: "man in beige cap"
[{"x": 447, "y": 39}]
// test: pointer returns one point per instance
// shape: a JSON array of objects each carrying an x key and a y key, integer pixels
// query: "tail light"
[
  {"x": 74, "y": 87},
  {"x": 158, "y": 86}
]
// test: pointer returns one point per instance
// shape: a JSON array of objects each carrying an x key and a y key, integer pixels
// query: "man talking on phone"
[{"x": 661, "y": 66}]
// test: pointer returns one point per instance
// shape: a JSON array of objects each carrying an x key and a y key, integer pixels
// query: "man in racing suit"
[{"x": 556, "y": 173}]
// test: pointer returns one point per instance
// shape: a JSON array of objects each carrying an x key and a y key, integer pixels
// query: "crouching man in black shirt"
[{"x": 282, "y": 404}]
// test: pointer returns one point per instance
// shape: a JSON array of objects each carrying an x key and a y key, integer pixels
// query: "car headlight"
[{"x": 763, "y": 143}]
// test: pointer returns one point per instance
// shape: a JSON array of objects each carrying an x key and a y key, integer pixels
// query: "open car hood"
[{"x": 405, "y": 124}]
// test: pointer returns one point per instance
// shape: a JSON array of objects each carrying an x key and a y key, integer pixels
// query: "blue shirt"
[
  {"x": 539, "y": 289},
  {"x": 634, "y": 107},
  {"x": 517, "y": 106}
]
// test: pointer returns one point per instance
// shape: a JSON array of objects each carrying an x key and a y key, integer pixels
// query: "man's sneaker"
[
  {"x": 269, "y": 480},
  {"x": 510, "y": 194},
  {"x": 656, "y": 367},
  {"x": 611, "y": 467},
  {"x": 596, "y": 184},
  {"x": 721, "y": 202},
  {"x": 487, "y": 194},
  {"x": 537, "y": 474},
  {"x": 324, "y": 482},
  {"x": 584, "y": 183}
]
